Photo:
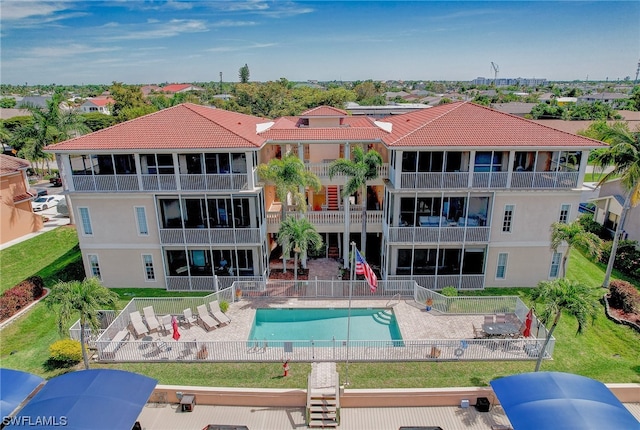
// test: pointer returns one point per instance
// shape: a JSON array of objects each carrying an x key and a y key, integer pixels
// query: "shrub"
[
  {"x": 20, "y": 296},
  {"x": 591, "y": 226},
  {"x": 224, "y": 305},
  {"x": 627, "y": 257},
  {"x": 624, "y": 296},
  {"x": 449, "y": 291},
  {"x": 66, "y": 351}
]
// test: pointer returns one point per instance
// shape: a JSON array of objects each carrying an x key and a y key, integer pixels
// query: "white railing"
[
  {"x": 321, "y": 170},
  {"x": 438, "y": 282},
  {"x": 438, "y": 234},
  {"x": 210, "y": 236},
  {"x": 327, "y": 217},
  {"x": 544, "y": 180},
  {"x": 490, "y": 179},
  {"x": 159, "y": 182},
  {"x": 434, "y": 180}
]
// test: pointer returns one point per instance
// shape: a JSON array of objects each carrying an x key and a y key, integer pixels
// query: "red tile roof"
[
  {"x": 323, "y": 111},
  {"x": 174, "y": 88},
  {"x": 9, "y": 164},
  {"x": 101, "y": 101},
  {"x": 470, "y": 125},
  {"x": 185, "y": 126},
  {"x": 22, "y": 197}
]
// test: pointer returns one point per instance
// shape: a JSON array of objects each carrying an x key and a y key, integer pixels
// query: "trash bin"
[
  {"x": 482, "y": 404},
  {"x": 188, "y": 402}
]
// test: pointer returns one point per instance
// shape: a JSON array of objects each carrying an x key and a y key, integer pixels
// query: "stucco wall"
[{"x": 16, "y": 220}]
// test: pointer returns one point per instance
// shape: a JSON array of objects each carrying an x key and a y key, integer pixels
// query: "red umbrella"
[
  {"x": 527, "y": 324},
  {"x": 174, "y": 323}
]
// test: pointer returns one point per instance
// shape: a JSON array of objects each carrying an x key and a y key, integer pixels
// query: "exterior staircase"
[
  {"x": 333, "y": 198},
  {"x": 323, "y": 396}
]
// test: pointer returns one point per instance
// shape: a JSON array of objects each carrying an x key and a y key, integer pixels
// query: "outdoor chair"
[
  {"x": 150, "y": 318},
  {"x": 218, "y": 314},
  {"x": 165, "y": 324},
  {"x": 477, "y": 332},
  {"x": 488, "y": 319},
  {"x": 208, "y": 321},
  {"x": 189, "y": 319},
  {"x": 139, "y": 328},
  {"x": 501, "y": 318}
]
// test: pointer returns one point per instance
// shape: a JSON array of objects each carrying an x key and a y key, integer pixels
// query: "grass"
[{"x": 606, "y": 351}]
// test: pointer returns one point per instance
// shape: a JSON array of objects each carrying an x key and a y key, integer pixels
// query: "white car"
[{"x": 45, "y": 202}]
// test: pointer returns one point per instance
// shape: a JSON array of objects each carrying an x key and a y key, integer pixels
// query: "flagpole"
[{"x": 351, "y": 276}]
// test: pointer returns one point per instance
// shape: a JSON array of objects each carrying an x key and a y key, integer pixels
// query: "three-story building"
[{"x": 465, "y": 197}]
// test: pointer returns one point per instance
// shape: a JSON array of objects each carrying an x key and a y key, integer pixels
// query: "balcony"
[
  {"x": 325, "y": 219},
  {"x": 167, "y": 182},
  {"x": 214, "y": 236},
  {"x": 544, "y": 180},
  {"x": 321, "y": 170},
  {"x": 457, "y": 180},
  {"x": 438, "y": 282},
  {"x": 438, "y": 234},
  {"x": 437, "y": 180}
]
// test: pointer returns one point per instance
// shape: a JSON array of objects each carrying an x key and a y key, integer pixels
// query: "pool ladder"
[{"x": 396, "y": 296}]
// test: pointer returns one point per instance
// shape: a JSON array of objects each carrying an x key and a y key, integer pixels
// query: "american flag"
[{"x": 362, "y": 268}]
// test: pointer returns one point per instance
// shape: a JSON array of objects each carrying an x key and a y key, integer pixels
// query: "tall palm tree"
[
  {"x": 363, "y": 168},
  {"x": 574, "y": 235},
  {"x": 49, "y": 125},
  {"x": 290, "y": 178},
  {"x": 85, "y": 298},
  {"x": 562, "y": 295},
  {"x": 298, "y": 235},
  {"x": 623, "y": 154}
]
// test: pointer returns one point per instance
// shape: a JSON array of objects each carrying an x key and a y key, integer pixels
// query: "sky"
[{"x": 144, "y": 42}]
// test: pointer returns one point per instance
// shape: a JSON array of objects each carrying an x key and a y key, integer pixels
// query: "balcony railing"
[
  {"x": 175, "y": 236},
  {"x": 446, "y": 180},
  {"x": 438, "y": 282},
  {"x": 438, "y": 234},
  {"x": 159, "y": 182},
  {"x": 321, "y": 170},
  {"x": 327, "y": 217}
]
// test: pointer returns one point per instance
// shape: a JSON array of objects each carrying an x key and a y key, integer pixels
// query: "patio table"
[{"x": 501, "y": 329}]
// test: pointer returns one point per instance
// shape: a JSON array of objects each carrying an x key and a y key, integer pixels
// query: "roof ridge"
[{"x": 191, "y": 105}]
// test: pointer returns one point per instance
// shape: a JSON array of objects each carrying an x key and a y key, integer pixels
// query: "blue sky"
[{"x": 67, "y": 42}]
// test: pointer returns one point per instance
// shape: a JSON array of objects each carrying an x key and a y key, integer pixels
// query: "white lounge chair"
[
  {"x": 165, "y": 323},
  {"x": 189, "y": 319},
  {"x": 150, "y": 318},
  {"x": 207, "y": 320},
  {"x": 218, "y": 314},
  {"x": 139, "y": 327}
]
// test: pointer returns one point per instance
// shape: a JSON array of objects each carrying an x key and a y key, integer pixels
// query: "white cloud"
[
  {"x": 14, "y": 10},
  {"x": 241, "y": 47},
  {"x": 66, "y": 50},
  {"x": 159, "y": 30},
  {"x": 230, "y": 23}
]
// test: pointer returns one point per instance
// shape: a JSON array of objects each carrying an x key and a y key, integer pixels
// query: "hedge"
[{"x": 20, "y": 296}]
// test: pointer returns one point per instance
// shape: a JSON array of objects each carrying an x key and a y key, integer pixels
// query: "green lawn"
[{"x": 606, "y": 351}]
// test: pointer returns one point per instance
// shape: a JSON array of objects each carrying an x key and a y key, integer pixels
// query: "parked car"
[
  {"x": 38, "y": 192},
  {"x": 45, "y": 202},
  {"x": 56, "y": 181}
]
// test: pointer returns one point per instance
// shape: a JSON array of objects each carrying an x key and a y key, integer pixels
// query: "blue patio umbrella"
[
  {"x": 88, "y": 399},
  {"x": 15, "y": 387},
  {"x": 556, "y": 400}
]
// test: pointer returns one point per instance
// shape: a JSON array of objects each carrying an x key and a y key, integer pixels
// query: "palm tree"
[
  {"x": 49, "y": 125},
  {"x": 86, "y": 298},
  {"x": 290, "y": 178},
  {"x": 575, "y": 237},
  {"x": 363, "y": 168},
  {"x": 623, "y": 154},
  {"x": 298, "y": 235},
  {"x": 563, "y": 295}
]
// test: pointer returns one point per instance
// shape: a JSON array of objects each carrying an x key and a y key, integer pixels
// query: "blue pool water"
[{"x": 324, "y": 324}]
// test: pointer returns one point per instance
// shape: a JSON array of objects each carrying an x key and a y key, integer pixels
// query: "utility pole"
[{"x": 220, "y": 82}]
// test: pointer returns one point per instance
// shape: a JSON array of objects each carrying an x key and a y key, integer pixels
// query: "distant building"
[
  {"x": 382, "y": 111},
  {"x": 38, "y": 101},
  {"x": 508, "y": 82},
  {"x": 179, "y": 88},
  {"x": 609, "y": 208},
  {"x": 608, "y": 98},
  {"x": 98, "y": 104},
  {"x": 17, "y": 217},
  {"x": 515, "y": 108}
]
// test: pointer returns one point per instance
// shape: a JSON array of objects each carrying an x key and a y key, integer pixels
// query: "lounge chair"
[
  {"x": 478, "y": 333},
  {"x": 165, "y": 324},
  {"x": 488, "y": 319},
  {"x": 139, "y": 327},
  {"x": 189, "y": 319},
  {"x": 150, "y": 318},
  {"x": 501, "y": 318},
  {"x": 208, "y": 321},
  {"x": 218, "y": 314}
]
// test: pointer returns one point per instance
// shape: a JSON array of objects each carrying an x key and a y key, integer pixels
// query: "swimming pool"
[{"x": 324, "y": 324}]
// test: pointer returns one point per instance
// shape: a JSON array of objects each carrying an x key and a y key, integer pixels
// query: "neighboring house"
[
  {"x": 148, "y": 89},
  {"x": 179, "y": 88},
  {"x": 98, "y": 104},
  {"x": 383, "y": 111},
  {"x": 609, "y": 207},
  {"x": 465, "y": 197},
  {"x": 515, "y": 108},
  {"x": 564, "y": 101},
  {"x": 17, "y": 217},
  {"x": 609, "y": 98}
]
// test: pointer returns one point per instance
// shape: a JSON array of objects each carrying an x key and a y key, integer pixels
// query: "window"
[
  {"x": 564, "y": 213},
  {"x": 508, "y": 218},
  {"x": 501, "y": 269},
  {"x": 141, "y": 217},
  {"x": 555, "y": 265},
  {"x": 85, "y": 219},
  {"x": 488, "y": 162},
  {"x": 149, "y": 272},
  {"x": 94, "y": 266}
]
